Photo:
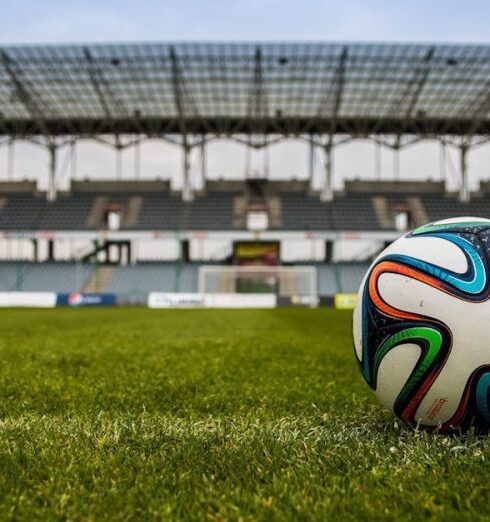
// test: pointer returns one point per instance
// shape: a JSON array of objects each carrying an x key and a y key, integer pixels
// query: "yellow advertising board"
[
  {"x": 345, "y": 301},
  {"x": 256, "y": 249}
]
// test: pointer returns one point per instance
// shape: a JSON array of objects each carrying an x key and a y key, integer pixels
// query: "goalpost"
[{"x": 297, "y": 283}]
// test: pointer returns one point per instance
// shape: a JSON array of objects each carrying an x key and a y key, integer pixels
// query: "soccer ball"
[{"x": 421, "y": 335}]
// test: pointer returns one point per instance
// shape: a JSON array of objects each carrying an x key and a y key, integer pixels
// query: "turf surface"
[{"x": 212, "y": 415}]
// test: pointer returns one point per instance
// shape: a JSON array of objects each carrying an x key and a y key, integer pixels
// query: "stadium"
[
  {"x": 241, "y": 412},
  {"x": 98, "y": 235}
]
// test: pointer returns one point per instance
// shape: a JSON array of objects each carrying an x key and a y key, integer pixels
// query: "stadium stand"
[
  {"x": 362, "y": 206},
  {"x": 303, "y": 212},
  {"x": 223, "y": 206},
  {"x": 207, "y": 212},
  {"x": 21, "y": 211}
]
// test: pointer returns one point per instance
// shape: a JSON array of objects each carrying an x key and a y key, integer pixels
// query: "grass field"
[{"x": 212, "y": 415}]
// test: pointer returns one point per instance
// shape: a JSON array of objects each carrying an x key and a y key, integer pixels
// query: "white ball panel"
[
  {"x": 357, "y": 319},
  {"x": 394, "y": 371},
  {"x": 433, "y": 250},
  {"x": 461, "y": 219},
  {"x": 469, "y": 333},
  {"x": 407, "y": 294}
]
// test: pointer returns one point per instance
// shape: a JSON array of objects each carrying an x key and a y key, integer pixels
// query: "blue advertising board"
[{"x": 81, "y": 299}]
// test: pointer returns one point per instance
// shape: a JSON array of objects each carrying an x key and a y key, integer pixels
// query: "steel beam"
[
  {"x": 111, "y": 106},
  {"x": 257, "y": 103},
  {"x": 328, "y": 108},
  {"x": 91, "y": 128},
  {"x": 405, "y": 106},
  {"x": 33, "y": 104},
  {"x": 478, "y": 110},
  {"x": 338, "y": 86}
]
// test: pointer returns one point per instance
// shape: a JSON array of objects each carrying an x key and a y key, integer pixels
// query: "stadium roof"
[{"x": 235, "y": 88}]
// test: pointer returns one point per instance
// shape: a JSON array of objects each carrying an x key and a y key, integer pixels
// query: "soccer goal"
[{"x": 295, "y": 282}]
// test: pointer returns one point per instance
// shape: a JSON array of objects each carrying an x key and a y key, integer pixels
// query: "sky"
[
  {"x": 34, "y": 21},
  {"x": 49, "y": 21}
]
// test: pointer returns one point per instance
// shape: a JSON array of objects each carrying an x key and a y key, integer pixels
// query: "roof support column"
[
  {"x": 184, "y": 107},
  {"x": 396, "y": 160},
  {"x": 10, "y": 160},
  {"x": 203, "y": 163},
  {"x": 442, "y": 164},
  {"x": 118, "y": 162},
  {"x": 73, "y": 162},
  {"x": 377, "y": 160},
  {"x": 186, "y": 168},
  {"x": 52, "y": 148},
  {"x": 327, "y": 187},
  {"x": 311, "y": 164},
  {"x": 137, "y": 161},
  {"x": 464, "y": 194}
]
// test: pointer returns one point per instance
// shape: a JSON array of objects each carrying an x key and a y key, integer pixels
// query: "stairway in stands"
[
  {"x": 96, "y": 212},
  {"x": 132, "y": 211},
  {"x": 417, "y": 211},
  {"x": 99, "y": 279},
  {"x": 382, "y": 211}
]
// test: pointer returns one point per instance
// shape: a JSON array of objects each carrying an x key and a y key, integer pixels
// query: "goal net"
[{"x": 294, "y": 282}]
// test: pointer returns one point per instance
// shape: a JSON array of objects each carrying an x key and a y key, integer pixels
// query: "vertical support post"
[
  {"x": 311, "y": 164},
  {"x": 396, "y": 161},
  {"x": 51, "y": 253},
  {"x": 329, "y": 244},
  {"x": 248, "y": 160},
  {"x": 203, "y": 163},
  {"x": 137, "y": 161},
  {"x": 186, "y": 168},
  {"x": 327, "y": 189},
  {"x": 10, "y": 160},
  {"x": 442, "y": 163},
  {"x": 377, "y": 161},
  {"x": 97, "y": 263},
  {"x": 267, "y": 161},
  {"x": 73, "y": 162},
  {"x": 35, "y": 250},
  {"x": 464, "y": 194},
  {"x": 184, "y": 251},
  {"x": 52, "y": 172},
  {"x": 118, "y": 162}
]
